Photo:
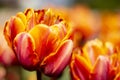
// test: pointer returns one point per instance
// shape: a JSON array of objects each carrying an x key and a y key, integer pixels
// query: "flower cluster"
[{"x": 48, "y": 40}]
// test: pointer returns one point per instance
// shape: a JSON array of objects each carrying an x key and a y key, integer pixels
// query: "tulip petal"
[
  {"x": 55, "y": 36},
  {"x": 80, "y": 68},
  {"x": 115, "y": 65},
  {"x": 53, "y": 41},
  {"x": 24, "y": 47},
  {"x": 93, "y": 49},
  {"x": 51, "y": 65},
  {"x": 30, "y": 16},
  {"x": 74, "y": 74},
  {"x": 40, "y": 33},
  {"x": 12, "y": 28},
  {"x": 117, "y": 76},
  {"x": 22, "y": 17},
  {"x": 101, "y": 69},
  {"x": 7, "y": 56},
  {"x": 39, "y": 15}
]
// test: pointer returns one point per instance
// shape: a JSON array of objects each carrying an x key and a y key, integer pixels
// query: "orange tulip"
[
  {"x": 40, "y": 39},
  {"x": 95, "y": 61}
]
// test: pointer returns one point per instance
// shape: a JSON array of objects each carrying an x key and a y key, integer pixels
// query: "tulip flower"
[
  {"x": 95, "y": 61},
  {"x": 40, "y": 40}
]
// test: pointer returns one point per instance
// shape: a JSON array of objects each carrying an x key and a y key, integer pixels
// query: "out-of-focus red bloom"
[
  {"x": 95, "y": 61},
  {"x": 40, "y": 40},
  {"x": 7, "y": 56}
]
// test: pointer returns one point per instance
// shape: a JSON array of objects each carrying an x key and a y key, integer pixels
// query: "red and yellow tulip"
[
  {"x": 95, "y": 61},
  {"x": 40, "y": 40}
]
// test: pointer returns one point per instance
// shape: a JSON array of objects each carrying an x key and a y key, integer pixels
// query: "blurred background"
[{"x": 9, "y": 8}]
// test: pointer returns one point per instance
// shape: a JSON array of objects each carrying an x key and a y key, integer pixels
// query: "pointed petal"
[
  {"x": 30, "y": 16},
  {"x": 24, "y": 47},
  {"x": 52, "y": 63},
  {"x": 101, "y": 69}
]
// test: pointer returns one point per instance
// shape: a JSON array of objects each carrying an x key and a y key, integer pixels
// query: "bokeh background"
[{"x": 10, "y": 7}]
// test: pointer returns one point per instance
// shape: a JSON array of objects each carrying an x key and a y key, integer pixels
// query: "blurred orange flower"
[
  {"x": 110, "y": 27},
  {"x": 95, "y": 61},
  {"x": 40, "y": 40},
  {"x": 84, "y": 24}
]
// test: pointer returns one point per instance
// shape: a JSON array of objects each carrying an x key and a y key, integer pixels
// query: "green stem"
[
  {"x": 39, "y": 75},
  {"x": 53, "y": 78}
]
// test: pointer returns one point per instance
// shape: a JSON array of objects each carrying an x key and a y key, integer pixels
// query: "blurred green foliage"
[
  {"x": 94, "y": 4},
  {"x": 101, "y": 4}
]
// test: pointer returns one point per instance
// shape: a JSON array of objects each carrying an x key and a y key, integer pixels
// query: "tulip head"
[
  {"x": 40, "y": 40},
  {"x": 95, "y": 61}
]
